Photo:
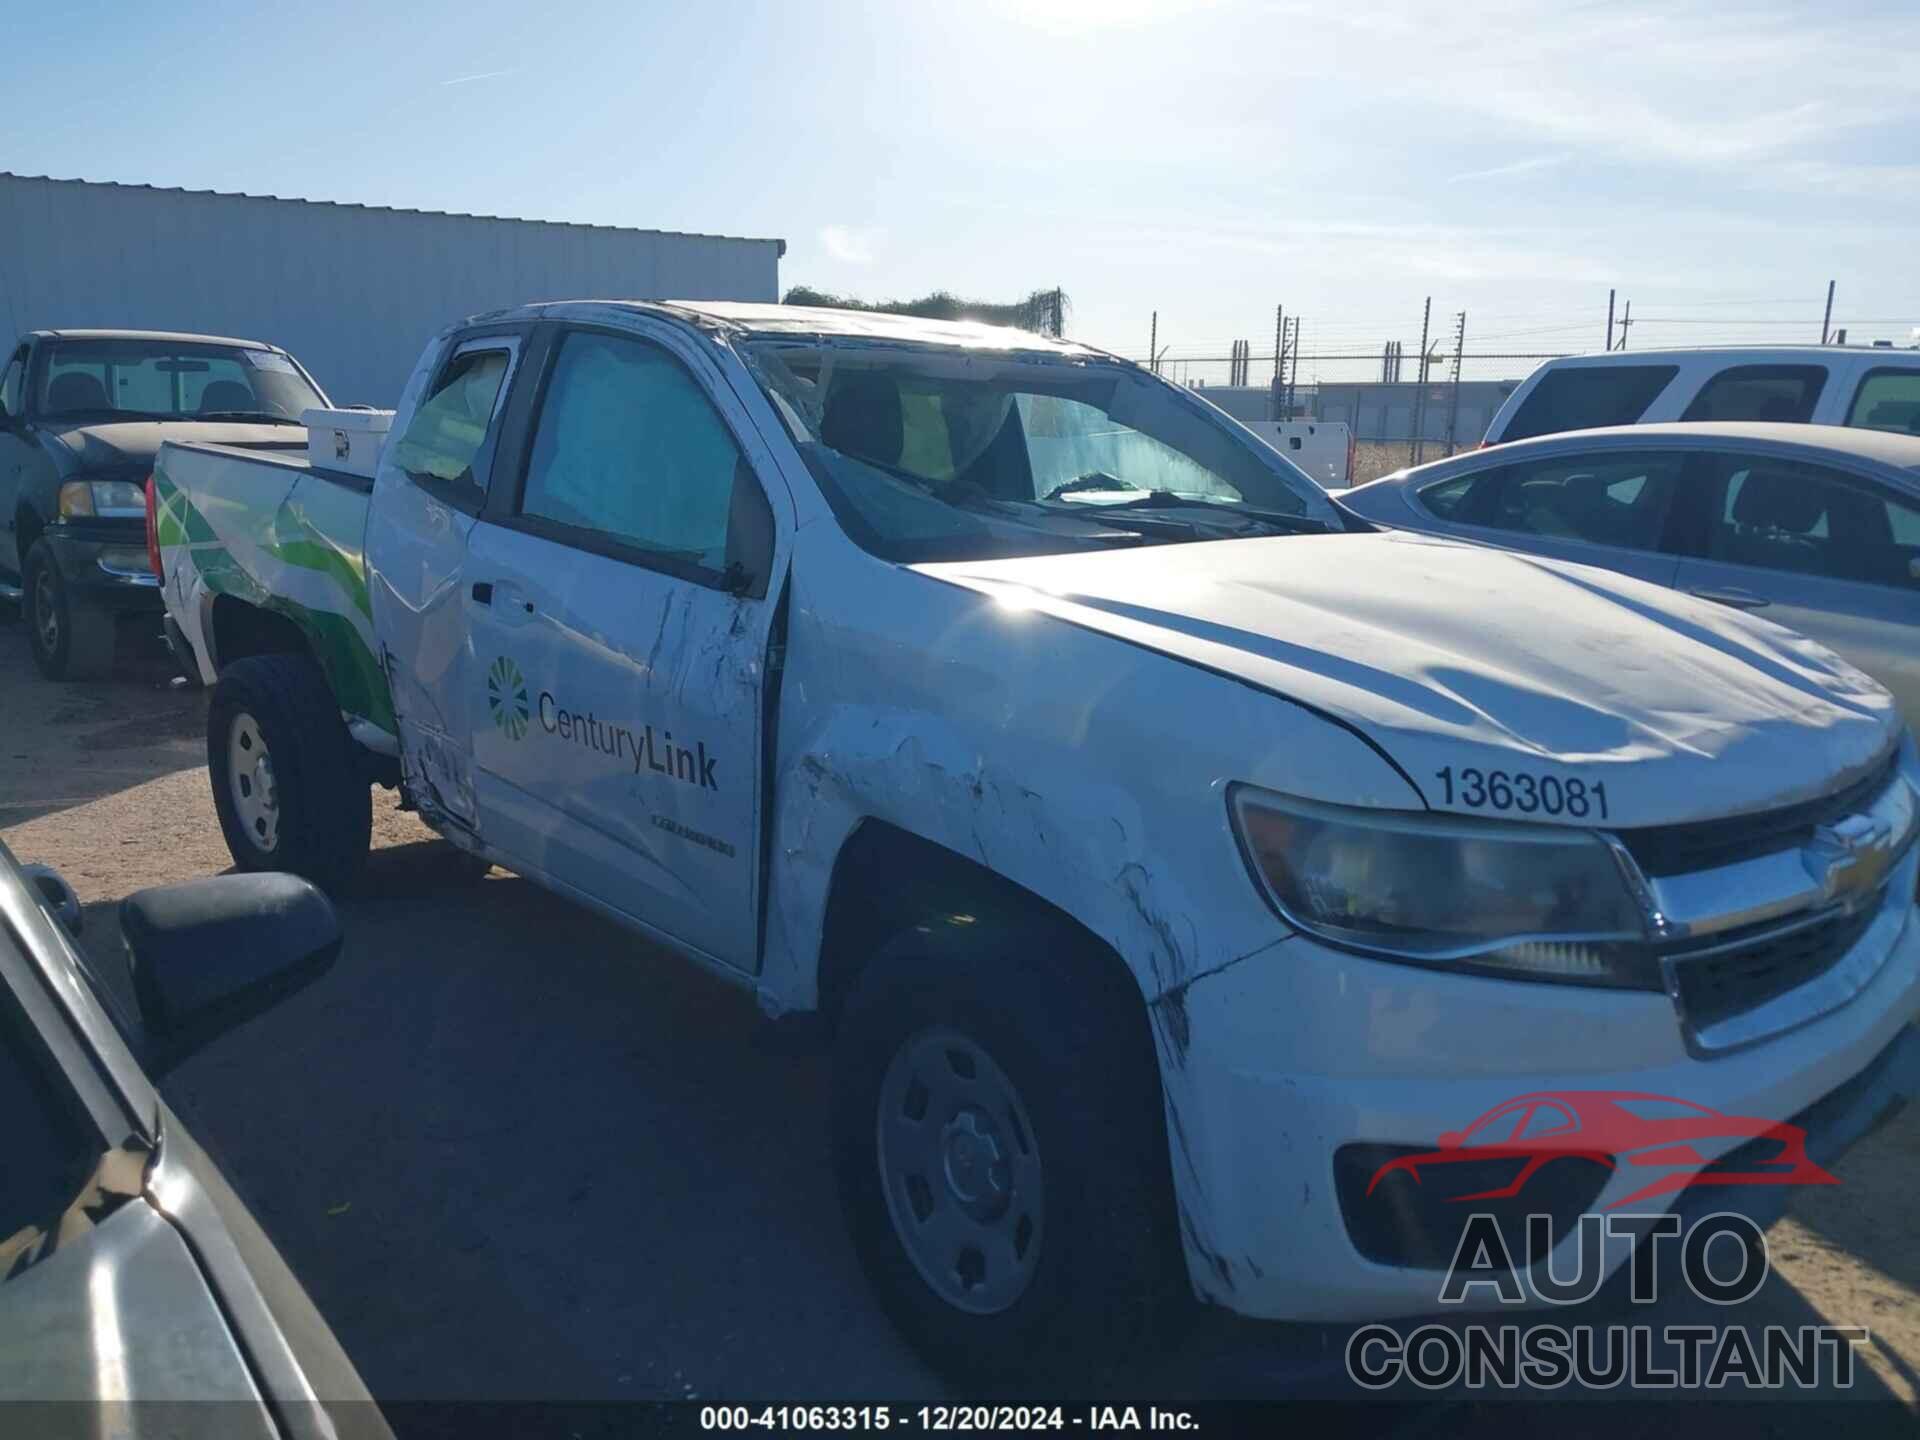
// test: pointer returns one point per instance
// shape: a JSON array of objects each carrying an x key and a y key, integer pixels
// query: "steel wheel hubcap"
[
  {"x": 960, "y": 1171},
  {"x": 46, "y": 614},
  {"x": 256, "y": 799}
]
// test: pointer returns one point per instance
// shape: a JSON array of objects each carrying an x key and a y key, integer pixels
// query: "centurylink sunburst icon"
[{"x": 507, "y": 698}]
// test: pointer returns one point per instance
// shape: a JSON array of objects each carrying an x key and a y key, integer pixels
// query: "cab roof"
[
  {"x": 1760, "y": 354},
  {"x": 809, "y": 321},
  {"x": 171, "y": 336}
]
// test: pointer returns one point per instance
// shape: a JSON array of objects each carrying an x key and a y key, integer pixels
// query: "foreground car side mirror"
[
  {"x": 208, "y": 955},
  {"x": 56, "y": 895}
]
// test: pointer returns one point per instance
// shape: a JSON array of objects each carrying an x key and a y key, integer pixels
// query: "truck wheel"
[
  {"x": 71, "y": 640},
  {"x": 1001, "y": 1153},
  {"x": 286, "y": 784}
]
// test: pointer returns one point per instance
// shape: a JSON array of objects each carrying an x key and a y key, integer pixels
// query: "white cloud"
[
  {"x": 483, "y": 75},
  {"x": 1518, "y": 167},
  {"x": 849, "y": 245}
]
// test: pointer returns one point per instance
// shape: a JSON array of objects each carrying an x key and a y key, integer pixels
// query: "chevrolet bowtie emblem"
[{"x": 1851, "y": 858}]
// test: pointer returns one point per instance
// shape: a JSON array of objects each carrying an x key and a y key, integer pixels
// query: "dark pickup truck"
[{"x": 82, "y": 414}]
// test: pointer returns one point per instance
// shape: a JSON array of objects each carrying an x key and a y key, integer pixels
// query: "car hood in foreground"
[
  {"x": 105, "y": 445},
  {"x": 1449, "y": 656}
]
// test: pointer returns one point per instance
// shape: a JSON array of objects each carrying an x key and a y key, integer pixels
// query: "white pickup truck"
[{"x": 1164, "y": 851}]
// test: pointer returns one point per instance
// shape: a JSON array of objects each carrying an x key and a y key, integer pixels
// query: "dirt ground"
[
  {"x": 1374, "y": 458},
  {"x": 108, "y": 783}
]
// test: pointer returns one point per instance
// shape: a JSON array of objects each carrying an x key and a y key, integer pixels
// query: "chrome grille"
[
  {"x": 1740, "y": 973},
  {"x": 1661, "y": 850}
]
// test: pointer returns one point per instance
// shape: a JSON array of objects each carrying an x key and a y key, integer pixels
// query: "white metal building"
[{"x": 353, "y": 290}]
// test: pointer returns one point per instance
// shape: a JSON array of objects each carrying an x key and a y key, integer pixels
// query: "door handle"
[
  {"x": 1738, "y": 599},
  {"x": 514, "y": 604}
]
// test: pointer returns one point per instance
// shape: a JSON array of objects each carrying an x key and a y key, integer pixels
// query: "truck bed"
[{"x": 269, "y": 529}]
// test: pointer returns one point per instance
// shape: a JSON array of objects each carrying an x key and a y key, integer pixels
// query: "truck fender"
[{"x": 1082, "y": 847}]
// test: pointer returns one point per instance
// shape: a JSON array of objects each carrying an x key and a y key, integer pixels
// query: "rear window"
[
  {"x": 1888, "y": 400},
  {"x": 1782, "y": 393},
  {"x": 1582, "y": 397}
]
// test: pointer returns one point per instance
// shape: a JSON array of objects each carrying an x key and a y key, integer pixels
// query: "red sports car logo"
[{"x": 1621, "y": 1127}]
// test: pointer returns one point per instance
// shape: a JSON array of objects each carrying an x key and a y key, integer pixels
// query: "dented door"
[
  {"x": 620, "y": 602},
  {"x": 432, "y": 482}
]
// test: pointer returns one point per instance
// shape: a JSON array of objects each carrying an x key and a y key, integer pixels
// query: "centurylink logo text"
[{"x": 689, "y": 765}]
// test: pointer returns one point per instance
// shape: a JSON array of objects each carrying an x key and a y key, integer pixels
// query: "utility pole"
[
  {"x": 1153, "y": 344},
  {"x": 1416, "y": 447},
  {"x": 1610, "y": 295},
  {"x": 1459, "y": 353},
  {"x": 1293, "y": 370},
  {"x": 1826, "y": 321},
  {"x": 1626, "y": 319},
  {"x": 1279, "y": 345}
]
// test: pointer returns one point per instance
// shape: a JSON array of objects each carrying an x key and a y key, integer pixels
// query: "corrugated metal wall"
[
  {"x": 353, "y": 291},
  {"x": 1382, "y": 411}
]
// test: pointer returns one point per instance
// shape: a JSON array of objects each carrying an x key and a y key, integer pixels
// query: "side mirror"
[
  {"x": 1449, "y": 1139},
  {"x": 56, "y": 895},
  {"x": 208, "y": 955},
  {"x": 750, "y": 536}
]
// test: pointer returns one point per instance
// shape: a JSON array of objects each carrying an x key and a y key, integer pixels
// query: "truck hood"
[
  {"x": 1445, "y": 655},
  {"x": 109, "y": 445}
]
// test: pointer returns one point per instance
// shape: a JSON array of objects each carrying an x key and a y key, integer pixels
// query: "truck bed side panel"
[{"x": 276, "y": 534}]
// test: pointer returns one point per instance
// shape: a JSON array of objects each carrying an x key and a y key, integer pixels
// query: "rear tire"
[
  {"x": 287, "y": 784},
  {"x": 70, "y": 639},
  {"x": 1021, "y": 1226}
]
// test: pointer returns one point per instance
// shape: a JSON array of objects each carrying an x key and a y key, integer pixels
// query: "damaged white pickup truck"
[{"x": 1165, "y": 851}]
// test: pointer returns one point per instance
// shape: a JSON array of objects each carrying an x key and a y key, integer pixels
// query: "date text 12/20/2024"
[{"x": 979, "y": 1418}]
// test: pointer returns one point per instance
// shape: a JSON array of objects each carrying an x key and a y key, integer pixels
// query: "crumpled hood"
[
  {"x": 111, "y": 445},
  {"x": 1448, "y": 656}
]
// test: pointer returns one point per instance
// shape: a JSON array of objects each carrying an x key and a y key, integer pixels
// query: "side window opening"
[
  {"x": 628, "y": 447},
  {"x": 1781, "y": 393},
  {"x": 1807, "y": 520},
  {"x": 1887, "y": 400},
  {"x": 444, "y": 437},
  {"x": 1458, "y": 499},
  {"x": 1617, "y": 500},
  {"x": 1583, "y": 397}
]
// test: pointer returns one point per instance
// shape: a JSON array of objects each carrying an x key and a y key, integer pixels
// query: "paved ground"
[{"x": 516, "y": 1153}]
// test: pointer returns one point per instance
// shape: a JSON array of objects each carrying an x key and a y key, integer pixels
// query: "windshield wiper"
[
  {"x": 1155, "y": 501},
  {"x": 264, "y": 417},
  {"x": 1094, "y": 481}
]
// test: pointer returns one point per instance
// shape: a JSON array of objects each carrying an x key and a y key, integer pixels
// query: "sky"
[{"x": 1716, "y": 164}]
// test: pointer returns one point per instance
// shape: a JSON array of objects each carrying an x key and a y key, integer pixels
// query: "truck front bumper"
[
  {"x": 1301, "y": 1052},
  {"x": 105, "y": 567}
]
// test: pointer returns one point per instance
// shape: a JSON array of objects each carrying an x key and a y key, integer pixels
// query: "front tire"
[
  {"x": 70, "y": 639},
  {"x": 286, "y": 780},
  {"x": 1001, "y": 1152}
]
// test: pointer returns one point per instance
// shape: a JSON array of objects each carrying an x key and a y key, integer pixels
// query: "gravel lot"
[{"x": 516, "y": 1153}]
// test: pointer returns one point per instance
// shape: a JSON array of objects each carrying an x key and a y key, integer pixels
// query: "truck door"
[
  {"x": 619, "y": 598},
  {"x": 1833, "y": 555},
  {"x": 432, "y": 482}
]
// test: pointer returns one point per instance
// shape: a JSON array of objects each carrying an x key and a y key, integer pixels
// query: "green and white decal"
[{"x": 301, "y": 558}]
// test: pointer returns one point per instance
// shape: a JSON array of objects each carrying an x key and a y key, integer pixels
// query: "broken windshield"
[{"x": 932, "y": 453}]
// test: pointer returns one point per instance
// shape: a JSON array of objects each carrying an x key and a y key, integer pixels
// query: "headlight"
[
  {"x": 108, "y": 499},
  {"x": 1528, "y": 901}
]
